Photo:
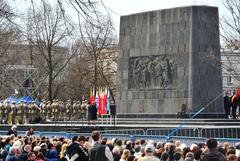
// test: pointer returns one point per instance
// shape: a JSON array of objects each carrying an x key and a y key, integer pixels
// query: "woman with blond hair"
[{"x": 126, "y": 153}]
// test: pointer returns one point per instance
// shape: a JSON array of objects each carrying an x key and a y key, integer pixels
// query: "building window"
[{"x": 229, "y": 80}]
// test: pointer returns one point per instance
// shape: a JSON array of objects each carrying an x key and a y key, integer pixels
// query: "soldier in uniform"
[
  {"x": 31, "y": 113},
  {"x": 53, "y": 107},
  {"x": 1, "y": 112},
  {"x": 74, "y": 114},
  {"x": 78, "y": 104},
  {"x": 61, "y": 111},
  {"x": 48, "y": 111},
  {"x": 25, "y": 112},
  {"x": 56, "y": 110},
  {"x": 7, "y": 110},
  {"x": 4, "y": 119},
  {"x": 14, "y": 109},
  {"x": 69, "y": 110},
  {"x": 20, "y": 112},
  {"x": 84, "y": 109},
  {"x": 42, "y": 110},
  {"x": 36, "y": 113}
]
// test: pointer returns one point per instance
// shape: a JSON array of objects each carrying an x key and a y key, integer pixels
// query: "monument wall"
[{"x": 168, "y": 58}]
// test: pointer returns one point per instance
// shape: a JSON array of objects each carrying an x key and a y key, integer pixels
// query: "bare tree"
[
  {"x": 230, "y": 35},
  {"x": 5, "y": 11},
  {"x": 100, "y": 42},
  {"x": 230, "y": 23},
  {"x": 8, "y": 34},
  {"x": 47, "y": 31}
]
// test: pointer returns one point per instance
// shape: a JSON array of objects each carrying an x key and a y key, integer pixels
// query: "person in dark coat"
[
  {"x": 99, "y": 152},
  {"x": 13, "y": 131},
  {"x": 76, "y": 152},
  {"x": 212, "y": 153},
  {"x": 227, "y": 104},
  {"x": 53, "y": 155},
  {"x": 93, "y": 113},
  {"x": 234, "y": 104}
]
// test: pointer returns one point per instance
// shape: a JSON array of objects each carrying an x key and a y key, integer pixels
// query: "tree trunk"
[
  {"x": 50, "y": 77},
  {"x": 50, "y": 85},
  {"x": 95, "y": 71},
  {"x": 111, "y": 93}
]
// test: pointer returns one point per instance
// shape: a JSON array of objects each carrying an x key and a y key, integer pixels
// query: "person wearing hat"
[
  {"x": 24, "y": 112},
  {"x": 42, "y": 110},
  {"x": 20, "y": 107},
  {"x": 84, "y": 109},
  {"x": 237, "y": 151},
  {"x": 13, "y": 131},
  {"x": 69, "y": 110},
  {"x": 1, "y": 111},
  {"x": 62, "y": 111},
  {"x": 149, "y": 150}
]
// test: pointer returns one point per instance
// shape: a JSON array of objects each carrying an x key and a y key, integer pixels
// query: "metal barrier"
[
  {"x": 132, "y": 135},
  {"x": 125, "y": 131},
  {"x": 214, "y": 132}
]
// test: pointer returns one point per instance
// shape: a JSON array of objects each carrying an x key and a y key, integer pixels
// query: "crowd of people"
[
  {"x": 231, "y": 104},
  {"x": 25, "y": 113},
  {"x": 96, "y": 148}
]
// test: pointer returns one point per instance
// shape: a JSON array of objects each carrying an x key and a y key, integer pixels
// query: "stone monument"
[{"x": 168, "y": 58}]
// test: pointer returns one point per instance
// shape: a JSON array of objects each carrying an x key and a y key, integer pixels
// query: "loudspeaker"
[{"x": 113, "y": 110}]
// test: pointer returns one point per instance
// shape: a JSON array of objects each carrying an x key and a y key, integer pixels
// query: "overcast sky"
[
  {"x": 119, "y": 8},
  {"x": 125, "y": 7}
]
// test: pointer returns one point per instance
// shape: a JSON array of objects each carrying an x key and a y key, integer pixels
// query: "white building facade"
[{"x": 230, "y": 69}]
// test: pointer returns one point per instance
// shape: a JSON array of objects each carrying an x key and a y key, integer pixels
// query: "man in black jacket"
[
  {"x": 227, "y": 104},
  {"x": 13, "y": 131},
  {"x": 99, "y": 152},
  {"x": 76, "y": 152},
  {"x": 212, "y": 154}
]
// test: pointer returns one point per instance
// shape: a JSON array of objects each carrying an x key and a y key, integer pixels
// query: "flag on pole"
[
  {"x": 100, "y": 102},
  {"x": 108, "y": 99},
  {"x": 92, "y": 95},
  {"x": 105, "y": 101},
  {"x": 238, "y": 91},
  {"x": 96, "y": 99}
]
